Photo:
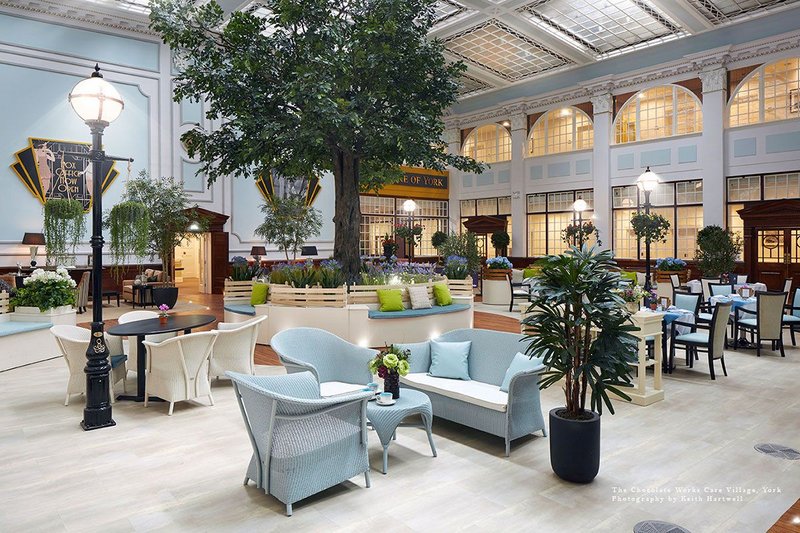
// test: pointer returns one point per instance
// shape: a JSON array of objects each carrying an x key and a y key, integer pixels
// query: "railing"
[
  {"x": 307, "y": 297},
  {"x": 237, "y": 291}
]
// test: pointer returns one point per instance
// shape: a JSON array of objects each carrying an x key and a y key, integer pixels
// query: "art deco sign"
[
  {"x": 276, "y": 186},
  {"x": 49, "y": 169}
]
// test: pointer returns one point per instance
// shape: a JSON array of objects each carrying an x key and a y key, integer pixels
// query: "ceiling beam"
[
  {"x": 547, "y": 39},
  {"x": 683, "y": 14},
  {"x": 477, "y": 72}
]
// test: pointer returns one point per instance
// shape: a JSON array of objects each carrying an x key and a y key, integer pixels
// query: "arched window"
[
  {"x": 561, "y": 130},
  {"x": 770, "y": 92},
  {"x": 659, "y": 112},
  {"x": 490, "y": 143}
]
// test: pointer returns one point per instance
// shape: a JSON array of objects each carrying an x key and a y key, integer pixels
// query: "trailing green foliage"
[
  {"x": 717, "y": 250},
  {"x": 651, "y": 227},
  {"x": 128, "y": 227},
  {"x": 580, "y": 326},
  {"x": 289, "y": 223},
  {"x": 356, "y": 88},
  {"x": 64, "y": 226},
  {"x": 169, "y": 215},
  {"x": 464, "y": 245}
]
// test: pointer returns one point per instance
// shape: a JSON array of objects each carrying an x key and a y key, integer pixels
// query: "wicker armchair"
[
  {"x": 302, "y": 444},
  {"x": 82, "y": 293},
  {"x": 338, "y": 365},
  {"x": 235, "y": 347},
  {"x": 116, "y": 345}
]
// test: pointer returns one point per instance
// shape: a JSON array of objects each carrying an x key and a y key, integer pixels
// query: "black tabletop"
[{"x": 153, "y": 326}]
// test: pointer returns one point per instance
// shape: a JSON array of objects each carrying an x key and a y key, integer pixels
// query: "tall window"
[
  {"x": 549, "y": 214},
  {"x": 490, "y": 144},
  {"x": 679, "y": 202},
  {"x": 659, "y": 112},
  {"x": 745, "y": 189},
  {"x": 561, "y": 130},
  {"x": 770, "y": 92},
  {"x": 490, "y": 207},
  {"x": 380, "y": 215}
]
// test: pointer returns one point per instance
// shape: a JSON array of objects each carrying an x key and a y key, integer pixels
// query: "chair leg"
[
  {"x": 508, "y": 447},
  {"x": 711, "y": 365},
  {"x": 791, "y": 332},
  {"x": 146, "y": 397},
  {"x": 724, "y": 370},
  {"x": 246, "y": 481},
  {"x": 171, "y": 406},
  {"x": 66, "y": 400},
  {"x": 671, "y": 358},
  {"x": 288, "y": 509},
  {"x": 366, "y": 478},
  {"x": 780, "y": 343},
  {"x": 210, "y": 398},
  {"x": 758, "y": 348}
]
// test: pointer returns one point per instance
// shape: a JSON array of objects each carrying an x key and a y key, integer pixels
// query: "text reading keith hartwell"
[{"x": 688, "y": 494}]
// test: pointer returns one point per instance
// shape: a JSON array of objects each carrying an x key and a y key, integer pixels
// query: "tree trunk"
[{"x": 347, "y": 217}]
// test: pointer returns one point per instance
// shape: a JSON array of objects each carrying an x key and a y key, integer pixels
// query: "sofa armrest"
[{"x": 524, "y": 388}]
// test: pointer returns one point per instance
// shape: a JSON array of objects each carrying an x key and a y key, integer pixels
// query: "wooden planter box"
[
  {"x": 662, "y": 276},
  {"x": 460, "y": 287},
  {"x": 496, "y": 274},
  {"x": 3, "y": 302},
  {"x": 289, "y": 296},
  {"x": 237, "y": 291}
]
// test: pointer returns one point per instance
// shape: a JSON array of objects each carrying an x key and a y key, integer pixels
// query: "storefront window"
[
  {"x": 549, "y": 214},
  {"x": 380, "y": 215}
]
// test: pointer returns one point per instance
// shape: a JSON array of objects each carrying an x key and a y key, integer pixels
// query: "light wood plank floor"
[{"x": 688, "y": 460}]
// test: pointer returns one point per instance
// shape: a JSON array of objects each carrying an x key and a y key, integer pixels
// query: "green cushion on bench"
[
  {"x": 410, "y": 313},
  {"x": 11, "y": 328},
  {"x": 241, "y": 309}
]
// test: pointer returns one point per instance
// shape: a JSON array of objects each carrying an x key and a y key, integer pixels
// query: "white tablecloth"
[
  {"x": 738, "y": 301},
  {"x": 696, "y": 287}
]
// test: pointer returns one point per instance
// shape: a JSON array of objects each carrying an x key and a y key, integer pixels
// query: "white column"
[
  {"x": 712, "y": 158},
  {"x": 519, "y": 138},
  {"x": 603, "y": 106},
  {"x": 452, "y": 137}
]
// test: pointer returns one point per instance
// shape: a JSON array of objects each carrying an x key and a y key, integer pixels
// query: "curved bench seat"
[
  {"x": 409, "y": 313},
  {"x": 241, "y": 309},
  {"x": 12, "y": 328}
]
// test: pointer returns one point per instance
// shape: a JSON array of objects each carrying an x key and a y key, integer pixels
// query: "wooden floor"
[{"x": 789, "y": 522}]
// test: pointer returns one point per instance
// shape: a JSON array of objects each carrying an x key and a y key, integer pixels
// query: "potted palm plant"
[{"x": 580, "y": 327}]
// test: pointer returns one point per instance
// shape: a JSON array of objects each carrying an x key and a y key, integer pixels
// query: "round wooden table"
[{"x": 153, "y": 326}]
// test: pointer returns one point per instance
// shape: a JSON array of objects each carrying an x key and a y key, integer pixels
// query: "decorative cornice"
[
  {"x": 602, "y": 103},
  {"x": 85, "y": 13},
  {"x": 689, "y": 66}
]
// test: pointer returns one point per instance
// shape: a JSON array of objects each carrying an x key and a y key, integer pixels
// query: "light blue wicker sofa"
[
  {"x": 480, "y": 403},
  {"x": 302, "y": 444}
]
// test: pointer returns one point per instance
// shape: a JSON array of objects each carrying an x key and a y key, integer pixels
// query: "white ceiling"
[{"x": 508, "y": 41}]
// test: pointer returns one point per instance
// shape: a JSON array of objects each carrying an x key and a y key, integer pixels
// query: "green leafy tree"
[
  {"x": 289, "y": 223},
  {"x": 353, "y": 87},
  {"x": 463, "y": 245},
  {"x": 717, "y": 250},
  {"x": 169, "y": 214}
]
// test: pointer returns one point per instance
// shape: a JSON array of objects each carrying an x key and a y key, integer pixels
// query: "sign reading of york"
[
  {"x": 423, "y": 180},
  {"x": 48, "y": 170}
]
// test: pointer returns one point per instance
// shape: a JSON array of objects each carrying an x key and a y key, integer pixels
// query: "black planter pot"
[
  {"x": 165, "y": 295},
  {"x": 575, "y": 447}
]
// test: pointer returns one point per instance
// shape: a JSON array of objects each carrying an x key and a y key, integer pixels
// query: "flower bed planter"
[
  {"x": 237, "y": 291},
  {"x": 662, "y": 276},
  {"x": 460, "y": 287},
  {"x": 307, "y": 297},
  {"x": 66, "y": 314},
  {"x": 495, "y": 288},
  {"x": 496, "y": 274}
]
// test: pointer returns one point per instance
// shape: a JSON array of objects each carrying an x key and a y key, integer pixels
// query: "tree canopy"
[
  {"x": 354, "y": 87},
  {"x": 288, "y": 223}
]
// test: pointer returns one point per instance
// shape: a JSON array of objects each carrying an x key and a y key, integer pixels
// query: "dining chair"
[
  {"x": 720, "y": 289},
  {"x": 741, "y": 279},
  {"x": 235, "y": 347},
  {"x": 519, "y": 291},
  {"x": 177, "y": 368},
  {"x": 767, "y": 322},
  {"x": 130, "y": 347},
  {"x": 73, "y": 341},
  {"x": 787, "y": 288},
  {"x": 675, "y": 281},
  {"x": 711, "y": 341},
  {"x": 686, "y": 300},
  {"x": 791, "y": 319}
]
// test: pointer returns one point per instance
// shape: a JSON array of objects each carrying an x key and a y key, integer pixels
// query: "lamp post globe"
[
  {"x": 409, "y": 206},
  {"x": 647, "y": 183},
  {"x": 98, "y": 104}
]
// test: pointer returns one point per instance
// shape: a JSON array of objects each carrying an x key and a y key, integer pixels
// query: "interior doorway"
[
  {"x": 772, "y": 242},
  {"x": 192, "y": 259}
]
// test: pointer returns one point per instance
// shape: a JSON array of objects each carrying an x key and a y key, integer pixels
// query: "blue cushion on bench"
[
  {"x": 410, "y": 313},
  {"x": 11, "y": 328},
  {"x": 242, "y": 309}
]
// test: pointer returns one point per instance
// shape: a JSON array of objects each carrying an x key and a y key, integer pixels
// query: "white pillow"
[{"x": 419, "y": 297}]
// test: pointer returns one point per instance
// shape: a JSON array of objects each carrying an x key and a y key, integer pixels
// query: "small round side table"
[{"x": 385, "y": 419}]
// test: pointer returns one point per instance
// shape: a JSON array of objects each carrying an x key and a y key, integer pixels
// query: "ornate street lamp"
[
  {"x": 409, "y": 206},
  {"x": 647, "y": 183},
  {"x": 98, "y": 104},
  {"x": 578, "y": 207}
]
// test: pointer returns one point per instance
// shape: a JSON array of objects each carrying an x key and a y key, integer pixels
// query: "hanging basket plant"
[
  {"x": 578, "y": 233},
  {"x": 128, "y": 228},
  {"x": 64, "y": 226},
  {"x": 651, "y": 227}
]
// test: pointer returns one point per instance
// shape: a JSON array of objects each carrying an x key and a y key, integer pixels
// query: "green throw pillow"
[
  {"x": 530, "y": 272},
  {"x": 390, "y": 300},
  {"x": 259, "y": 294},
  {"x": 442, "y": 294},
  {"x": 629, "y": 276}
]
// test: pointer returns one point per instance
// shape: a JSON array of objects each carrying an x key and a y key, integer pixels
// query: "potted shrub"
[
  {"x": 500, "y": 241},
  {"x": 389, "y": 246},
  {"x": 497, "y": 268},
  {"x": 671, "y": 265},
  {"x": 580, "y": 327},
  {"x": 463, "y": 245},
  {"x": 438, "y": 239},
  {"x": 717, "y": 250},
  {"x": 455, "y": 267},
  {"x": 650, "y": 227},
  {"x": 64, "y": 226},
  {"x": 47, "y": 296},
  {"x": 411, "y": 234}
]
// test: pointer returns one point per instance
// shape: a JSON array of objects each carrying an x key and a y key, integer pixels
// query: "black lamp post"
[
  {"x": 409, "y": 206},
  {"x": 578, "y": 207},
  {"x": 98, "y": 104},
  {"x": 647, "y": 183}
]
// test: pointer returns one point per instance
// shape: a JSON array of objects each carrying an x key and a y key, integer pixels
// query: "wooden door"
[
  {"x": 219, "y": 260},
  {"x": 778, "y": 256}
]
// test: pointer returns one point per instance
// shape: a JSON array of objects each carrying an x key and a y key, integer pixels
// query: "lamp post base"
[{"x": 96, "y": 419}]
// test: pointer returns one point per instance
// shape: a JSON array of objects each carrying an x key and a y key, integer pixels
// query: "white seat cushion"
[
  {"x": 338, "y": 388},
  {"x": 474, "y": 392}
]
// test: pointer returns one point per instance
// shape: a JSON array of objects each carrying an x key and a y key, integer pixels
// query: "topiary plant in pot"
[
  {"x": 500, "y": 241},
  {"x": 580, "y": 327}
]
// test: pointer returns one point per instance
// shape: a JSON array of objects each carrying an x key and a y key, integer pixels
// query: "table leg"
[
  {"x": 187, "y": 331},
  {"x": 385, "y": 458},
  {"x": 665, "y": 360},
  {"x": 140, "y": 374}
]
